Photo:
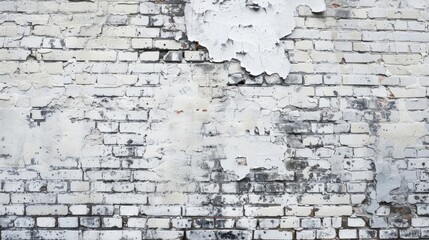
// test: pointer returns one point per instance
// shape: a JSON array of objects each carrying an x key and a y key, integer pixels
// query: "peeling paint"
[
  {"x": 54, "y": 140},
  {"x": 114, "y": 125},
  {"x": 222, "y": 124},
  {"x": 249, "y": 31},
  {"x": 392, "y": 140}
]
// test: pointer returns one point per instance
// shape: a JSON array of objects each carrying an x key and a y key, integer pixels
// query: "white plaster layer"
[
  {"x": 393, "y": 139},
  {"x": 202, "y": 127},
  {"x": 249, "y": 31},
  {"x": 55, "y": 140}
]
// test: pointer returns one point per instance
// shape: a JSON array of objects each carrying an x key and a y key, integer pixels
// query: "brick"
[
  {"x": 149, "y": 8},
  {"x": 142, "y": 43},
  {"x": 112, "y": 234},
  {"x": 47, "y": 210},
  {"x": 194, "y": 56},
  {"x": 347, "y": 234},
  {"x": 8, "y": 7},
  {"x": 299, "y": 211},
  {"x": 46, "y": 222},
  {"x": 31, "y": 42},
  {"x": 402, "y": 59},
  {"x": 126, "y": 199},
  {"x": 269, "y": 223},
  {"x": 129, "y": 210},
  {"x": 68, "y": 222},
  {"x": 410, "y": 233},
  {"x": 79, "y": 198},
  {"x": 79, "y": 186},
  {"x": 217, "y": 234},
  {"x": 320, "y": 199},
  {"x": 24, "y": 222},
  {"x": 47, "y": 30},
  {"x": 306, "y": 234},
  {"x": 360, "y": 80},
  {"x": 407, "y": 93},
  {"x": 420, "y": 222},
  {"x": 75, "y": 42},
  {"x": 16, "y": 234},
  {"x": 173, "y": 56},
  {"x": 334, "y": 211},
  {"x": 14, "y": 54},
  {"x": 9, "y": 30},
  {"x": 89, "y": 222},
  {"x": 117, "y": 20},
  {"x": 33, "y": 198},
  {"x": 13, "y": 187},
  {"x": 8, "y": 67},
  {"x": 108, "y": 43},
  {"x": 367, "y": 234},
  {"x": 272, "y": 234},
  {"x": 326, "y": 233},
  {"x": 168, "y": 44},
  {"x": 161, "y": 234},
  {"x": 79, "y": 209},
  {"x": 158, "y": 223},
  {"x": 356, "y": 140},
  {"x": 112, "y": 222},
  {"x": 388, "y": 234},
  {"x": 182, "y": 223},
  {"x": 127, "y": 56},
  {"x": 264, "y": 211},
  {"x": 79, "y": 55},
  {"x": 137, "y": 222},
  {"x": 120, "y": 8}
]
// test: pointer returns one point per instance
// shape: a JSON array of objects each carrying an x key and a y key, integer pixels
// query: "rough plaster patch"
[
  {"x": 242, "y": 151},
  {"x": 249, "y": 31},
  {"x": 204, "y": 124},
  {"x": 178, "y": 140},
  {"x": 396, "y": 136},
  {"x": 422, "y": 4},
  {"x": 40, "y": 146}
]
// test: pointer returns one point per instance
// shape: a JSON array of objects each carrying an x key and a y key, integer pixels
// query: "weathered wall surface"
[{"x": 135, "y": 119}]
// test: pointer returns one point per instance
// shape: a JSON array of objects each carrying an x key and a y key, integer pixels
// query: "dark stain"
[{"x": 228, "y": 235}]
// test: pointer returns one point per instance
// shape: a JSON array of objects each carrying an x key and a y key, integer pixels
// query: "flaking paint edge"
[{"x": 248, "y": 31}]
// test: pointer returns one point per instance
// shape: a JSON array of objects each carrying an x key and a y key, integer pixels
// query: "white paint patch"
[
  {"x": 56, "y": 139},
  {"x": 178, "y": 140},
  {"x": 249, "y": 31},
  {"x": 396, "y": 136},
  {"x": 203, "y": 121}
]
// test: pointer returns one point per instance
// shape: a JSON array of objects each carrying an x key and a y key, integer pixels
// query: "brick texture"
[{"x": 114, "y": 126}]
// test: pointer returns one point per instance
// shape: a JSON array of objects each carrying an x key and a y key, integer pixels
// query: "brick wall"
[{"x": 114, "y": 126}]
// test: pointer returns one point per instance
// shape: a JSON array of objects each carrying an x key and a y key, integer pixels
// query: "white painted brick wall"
[{"x": 114, "y": 126}]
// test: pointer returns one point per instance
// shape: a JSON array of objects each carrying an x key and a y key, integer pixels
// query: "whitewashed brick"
[
  {"x": 14, "y": 54},
  {"x": 68, "y": 222},
  {"x": 46, "y": 222},
  {"x": 24, "y": 222},
  {"x": 334, "y": 211},
  {"x": 142, "y": 43},
  {"x": 272, "y": 234},
  {"x": 158, "y": 223},
  {"x": 115, "y": 126},
  {"x": 347, "y": 234},
  {"x": 112, "y": 234},
  {"x": 112, "y": 222}
]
